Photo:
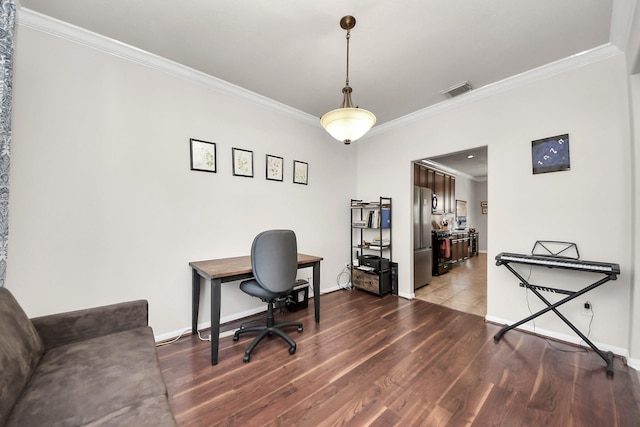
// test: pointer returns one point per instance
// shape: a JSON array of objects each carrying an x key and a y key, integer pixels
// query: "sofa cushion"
[
  {"x": 152, "y": 412},
  {"x": 20, "y": 351},
  {"x": 86, "y": 381},
  {"x": 60, "y": 329}
]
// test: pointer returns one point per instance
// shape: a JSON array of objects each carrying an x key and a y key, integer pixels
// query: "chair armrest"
[{"x": 64, "y": 328}]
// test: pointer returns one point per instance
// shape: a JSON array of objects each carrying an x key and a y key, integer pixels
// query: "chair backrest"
[{"x": 274, "y": 259}]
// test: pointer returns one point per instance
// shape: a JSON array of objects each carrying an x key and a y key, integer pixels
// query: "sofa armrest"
[{"x": 64, "y": 328}]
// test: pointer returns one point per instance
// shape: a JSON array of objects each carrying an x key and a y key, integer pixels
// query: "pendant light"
[{"x": 347, "y": 123}]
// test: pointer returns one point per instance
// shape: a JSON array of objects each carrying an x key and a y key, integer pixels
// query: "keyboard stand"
[{"x": 570, "y": 295}]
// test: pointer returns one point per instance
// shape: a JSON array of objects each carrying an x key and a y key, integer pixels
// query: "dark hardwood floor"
[{"x": 389, "y": 361}]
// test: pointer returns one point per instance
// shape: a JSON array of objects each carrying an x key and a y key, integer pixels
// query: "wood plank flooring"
[
  {"x": 389, "y": 361},
  {"x": 463, "y": 288}
]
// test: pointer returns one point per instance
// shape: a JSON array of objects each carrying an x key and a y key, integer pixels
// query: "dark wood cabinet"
[
  {"x": 423, "y": 177},
  {"x": 439, "y": 191},
  {"x": 431, "y": 178},
  {"x": 441, "y": 184},
  {"x": 451, "y": 196},
  {"x": 459, "y": 247},
  {"x": 447, "y": 194}
]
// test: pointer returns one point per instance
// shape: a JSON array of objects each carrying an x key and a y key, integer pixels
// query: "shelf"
[
  {"x": 371, "y": 206},
  {"x": 371, "y": 234}
]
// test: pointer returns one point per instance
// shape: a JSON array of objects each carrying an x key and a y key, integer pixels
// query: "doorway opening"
[{"x": 458, "y": 182}]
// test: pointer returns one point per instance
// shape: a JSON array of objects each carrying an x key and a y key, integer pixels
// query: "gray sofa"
[{"x": 94, "y": 367}]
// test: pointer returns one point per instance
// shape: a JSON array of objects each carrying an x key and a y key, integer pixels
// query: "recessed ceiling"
[
  {"x": 403, "y": 53},
  {"x": 472, "y": 163}
]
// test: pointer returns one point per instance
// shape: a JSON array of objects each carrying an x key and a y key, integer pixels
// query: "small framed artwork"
[
  {"x": 274, "y": 167},
  {"x": 300, "y": 172},
  {"x": 242, "y": 162},
  {"x": 550, "y": 154},
  {"x": 484, "y": 204},
  {"x": 203, "y": 155},
  {"x": 485, "y": 210}
]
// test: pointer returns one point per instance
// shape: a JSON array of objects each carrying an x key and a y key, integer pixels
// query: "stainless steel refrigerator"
[{"x": 422, "y": 250}]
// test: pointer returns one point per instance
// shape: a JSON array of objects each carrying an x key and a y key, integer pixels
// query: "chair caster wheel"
[
  {"x": 235, "y": 337},
  {"x": 299, "y": 328},
  {"x": 292, "y": 350},
  {"x": 246, "y": 358}
]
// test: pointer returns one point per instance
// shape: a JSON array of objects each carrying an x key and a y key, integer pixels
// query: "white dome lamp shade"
[{"x": 348, "y": 123}]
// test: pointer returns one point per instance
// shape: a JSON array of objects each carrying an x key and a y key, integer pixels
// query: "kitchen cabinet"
[
  {"x": 451, "y": 195},
  {"x": 473, "y": 244},
  {"x": 431, "y": 177},
  {"x": 438, "y": 191},
  {"x": 441, "y": 184},
  {"x": 449, "y": 185},
  {"x": 459, "y": 247},
  {"x": 423, "y": 176}
]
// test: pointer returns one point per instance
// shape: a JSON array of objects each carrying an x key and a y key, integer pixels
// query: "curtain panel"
[{"x": 7, "y": 26}]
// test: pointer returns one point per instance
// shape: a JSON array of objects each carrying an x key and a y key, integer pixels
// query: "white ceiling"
[
  {"x": 403, "y": 52},
  {"x": 472, "y": 163}
]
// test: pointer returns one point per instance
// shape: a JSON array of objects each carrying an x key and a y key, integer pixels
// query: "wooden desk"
[{"x": 218, "y": 271}]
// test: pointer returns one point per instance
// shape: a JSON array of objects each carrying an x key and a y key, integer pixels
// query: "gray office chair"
[{"x": 274, "y": 260}]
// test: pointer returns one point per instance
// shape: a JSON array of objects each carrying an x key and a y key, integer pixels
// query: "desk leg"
[
  {"x": 316, "y": 290},
  {"x": 215, "y": 319},
  {"x": 195, "y": 301}
]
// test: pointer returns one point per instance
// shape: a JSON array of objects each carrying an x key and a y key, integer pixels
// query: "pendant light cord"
[{"x": 348, "y": 36}]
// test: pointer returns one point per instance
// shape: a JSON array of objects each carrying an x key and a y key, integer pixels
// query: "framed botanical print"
[
  {"x": 203, "y": 155},
  {"x": 274, "y": 167},
  {"x": 300, "y": 172},
  {"x": 242, "y": 162}
]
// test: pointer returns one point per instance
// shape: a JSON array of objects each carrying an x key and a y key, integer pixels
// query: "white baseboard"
[
  {"x": 407, "y": 296},
  {"x": 633, "y": 363},
  {"x": 566, "y": 338},
  {"x": 226, "y": 319},
  {"x": 207, "y": 325}
]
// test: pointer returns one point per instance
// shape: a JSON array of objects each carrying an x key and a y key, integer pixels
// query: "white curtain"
[{"x": 7, "y": 25}]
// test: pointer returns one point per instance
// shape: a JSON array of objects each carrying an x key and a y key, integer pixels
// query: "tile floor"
[{"x": 464, "y": 288}]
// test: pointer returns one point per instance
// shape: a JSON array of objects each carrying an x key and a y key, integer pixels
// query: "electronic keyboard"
[
  {"x": 558, "y": 262},
  {"x": 554, "y": 261}
]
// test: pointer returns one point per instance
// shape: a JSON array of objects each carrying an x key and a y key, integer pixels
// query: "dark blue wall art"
[{"x": 550, "y": 154}]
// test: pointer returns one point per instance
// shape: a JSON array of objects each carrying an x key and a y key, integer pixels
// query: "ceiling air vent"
[{"x": 456, "y": 90}]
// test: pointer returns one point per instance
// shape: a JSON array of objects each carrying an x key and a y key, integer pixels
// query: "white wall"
[
  {"x": 104, "y": 208},
  {"x": 479, "y": 219},
  {"x": 635, "y": 231},
  {"x": 474, "y": 192},
  {"x": 589, "y": 205}
]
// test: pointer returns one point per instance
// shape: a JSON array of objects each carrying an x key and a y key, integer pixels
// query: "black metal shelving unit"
[{"x": 371, "y": 246}]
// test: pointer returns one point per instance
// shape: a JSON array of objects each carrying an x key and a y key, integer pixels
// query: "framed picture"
[
  {"x": 550, "y": 154},
  {"x": 484, "y": 204},
  {"x": 242, "y": 162},
  {"x": 300, "y": 172},
  {"x": 274, "y": 167},
  {"x": 203, "y": 155},
  {"x": 485, "y": 210}
]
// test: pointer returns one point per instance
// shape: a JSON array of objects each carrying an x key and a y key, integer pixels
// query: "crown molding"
[
  {"x": 54, "y": 27},
  {"x": 622, "y": 18},
  {"x": 578, "y": 60},
  {"x": 46, "y": 24}
]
